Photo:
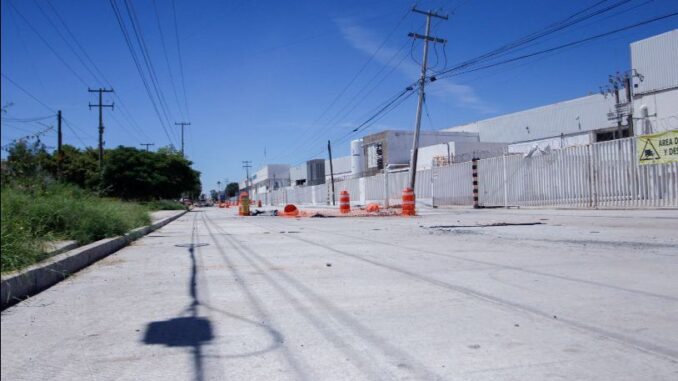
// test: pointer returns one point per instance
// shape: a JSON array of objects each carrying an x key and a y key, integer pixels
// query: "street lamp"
[{"x": 218, "y": 191}]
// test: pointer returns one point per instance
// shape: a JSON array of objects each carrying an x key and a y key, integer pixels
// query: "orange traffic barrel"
[
  {"x": 373, "y": 207},
  {"x": 408, "y": 202},
  {"x": 290, "y": 210},
  {"x": 244, "y": 204},
  {"x": 344, "y": 202}
]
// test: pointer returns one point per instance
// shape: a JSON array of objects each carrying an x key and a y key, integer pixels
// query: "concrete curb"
[{"x": 19, "y": 285}]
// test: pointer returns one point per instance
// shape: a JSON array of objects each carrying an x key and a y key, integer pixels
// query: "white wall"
[
  {"x": 554, "y": 143},
  {"x": 662, "y": 109},
  {"x": 342, "y": 166},
  {"x": 458, "y": 152},
  {"x": 399, "y": 144}
]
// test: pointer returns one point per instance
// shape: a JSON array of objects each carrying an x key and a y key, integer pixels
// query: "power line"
[
  {"x": 356, "y": 100},
  {"x": 570, "y": 20},
  {"x": 138, "y": 34},
  {"x": 181, "y": 62},
  {"x": 563, "y": 46},
  {"x": 135, "y": 59},
  {"x": 319, "y": 133},
  {"x": 49, "y": 46},
  {"x": 98, "y": 76},
  {"x": 164, "y": 51}
]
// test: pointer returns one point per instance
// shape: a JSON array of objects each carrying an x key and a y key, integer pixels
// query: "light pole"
[{"x": 218, "y": 191}]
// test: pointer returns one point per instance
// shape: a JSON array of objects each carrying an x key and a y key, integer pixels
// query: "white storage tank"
[{"x": 356, "y": 158}]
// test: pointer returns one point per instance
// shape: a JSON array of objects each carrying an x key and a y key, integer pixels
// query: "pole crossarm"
[
  {"x": 429, "y": 38},
  {"x": 429, "y": 13}
]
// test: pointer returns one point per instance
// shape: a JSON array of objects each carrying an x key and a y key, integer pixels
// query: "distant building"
[
  {"x": 309, "y": 173},
  {"x": 341, "y": 166},
  {"x": 655, "y": 83},
  {"x": 268, "y": 177},
  {"x": 457, "y": 152},
  {"x": 394, "y": 146}
]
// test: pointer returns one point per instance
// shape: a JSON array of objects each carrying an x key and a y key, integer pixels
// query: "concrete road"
[{"x": 566, "y": 295}]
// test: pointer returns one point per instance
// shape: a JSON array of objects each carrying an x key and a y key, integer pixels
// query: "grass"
[{"x": 58, "y": 211}]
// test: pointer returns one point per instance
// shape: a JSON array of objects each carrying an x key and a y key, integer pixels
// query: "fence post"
[
  {"x": 505, "y": 183},
  {"x": 592, "y": 176},
  {"x": 386, "y": 195},
  {"x": 474, "y": 176},
  {"x": 433, "y": 194}
]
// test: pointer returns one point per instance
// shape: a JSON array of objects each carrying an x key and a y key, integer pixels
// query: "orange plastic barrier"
[
  {"x": 344, "y": 202},
  {"x": 408, "y": 202},
  {"x": 373, "y": 207}
]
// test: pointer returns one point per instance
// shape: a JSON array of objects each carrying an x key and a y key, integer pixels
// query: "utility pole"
[
  {"x": 101, "y": 105},
  {"x": 622, "y": 110},
  {"x": 247, "y": 164},
  {"x": 60, "y": 152},
  {"x": 147, "y": 145},
  {"x": 329, "y": 151},
  {"x": 422, "y": 80},
  {"x": 182, "y": 124}
]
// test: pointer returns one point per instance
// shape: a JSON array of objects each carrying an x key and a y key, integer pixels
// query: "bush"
[
  {"x": 165, "y": 205},
  {"x": 31, "y": 216}
]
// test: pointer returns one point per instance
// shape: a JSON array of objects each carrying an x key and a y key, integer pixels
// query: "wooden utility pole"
[
  {"x": 101, "y": 105},
  {"x": 422, "y": 81},
  {"x": 182, "y": 124},
  {"x": 247, "y": 164},
  {"x": 60, "y": 152},
  {"x": 146, "y": 145},
  {"x": 329, "y": 151}
]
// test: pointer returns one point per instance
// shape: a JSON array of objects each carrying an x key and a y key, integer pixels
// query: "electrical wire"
[
  {"x": 181, "y": 61},
  {"x": 571, "y": 20},
  {"x": 141, "y": 42},
  {"x": 343, "y": 91},
  {"x": 137, "y": 64},
  {"x": 101, "y": 77},
  {"x": 167, "y": 62},
  {"x": 563, "y": 46}
]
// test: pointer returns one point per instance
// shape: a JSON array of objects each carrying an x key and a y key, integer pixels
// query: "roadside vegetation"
[{"x": 41, "y": 203}]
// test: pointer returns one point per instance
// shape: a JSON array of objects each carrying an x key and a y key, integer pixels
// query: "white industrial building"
[
  {"x": 593, "y": 118},
  {"x": 457, "y": 152},
  {"x": 393, "y": 147},
  {"x": 311, "y": 172},
  {"x": 341, "y": 167},
  {"x": 268, "y": 177},
  {"x": 655, "y": 87}
]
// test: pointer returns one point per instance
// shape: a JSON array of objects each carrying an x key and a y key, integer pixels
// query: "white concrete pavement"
[{"x": 581, "y": 295}]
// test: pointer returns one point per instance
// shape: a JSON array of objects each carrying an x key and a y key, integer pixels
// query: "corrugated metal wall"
[
  {"x": 603, "y": 174},
  {"x": 656, "y": 59}
]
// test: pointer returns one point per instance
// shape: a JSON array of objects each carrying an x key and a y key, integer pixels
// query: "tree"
[
  {"x": 232, "y": 189},
  {"x": 27, "y": 160},
  {"x": 80, "y": 167},
  {"x": 131, "y": 173}
]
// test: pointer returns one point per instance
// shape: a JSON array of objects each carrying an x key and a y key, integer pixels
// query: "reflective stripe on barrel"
[
  {"x": 408, "y": 202},
  {"x": 344, "y": 202}
]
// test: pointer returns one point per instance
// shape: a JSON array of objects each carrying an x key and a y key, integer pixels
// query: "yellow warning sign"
[{"x": 658, "y": 148}]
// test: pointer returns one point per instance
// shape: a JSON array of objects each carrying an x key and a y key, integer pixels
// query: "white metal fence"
[{"x": 603, "y": 174}]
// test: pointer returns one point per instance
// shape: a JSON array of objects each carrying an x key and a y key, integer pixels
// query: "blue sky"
[{"x": 259, "y": 74}]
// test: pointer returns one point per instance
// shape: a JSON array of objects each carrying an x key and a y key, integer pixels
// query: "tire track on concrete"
[
  {"x": 300, "y": 368},
  {"x": 504, "y": 266},
  {"x": 362, "y": 360},
  {"x": 670, "y": 354}
]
